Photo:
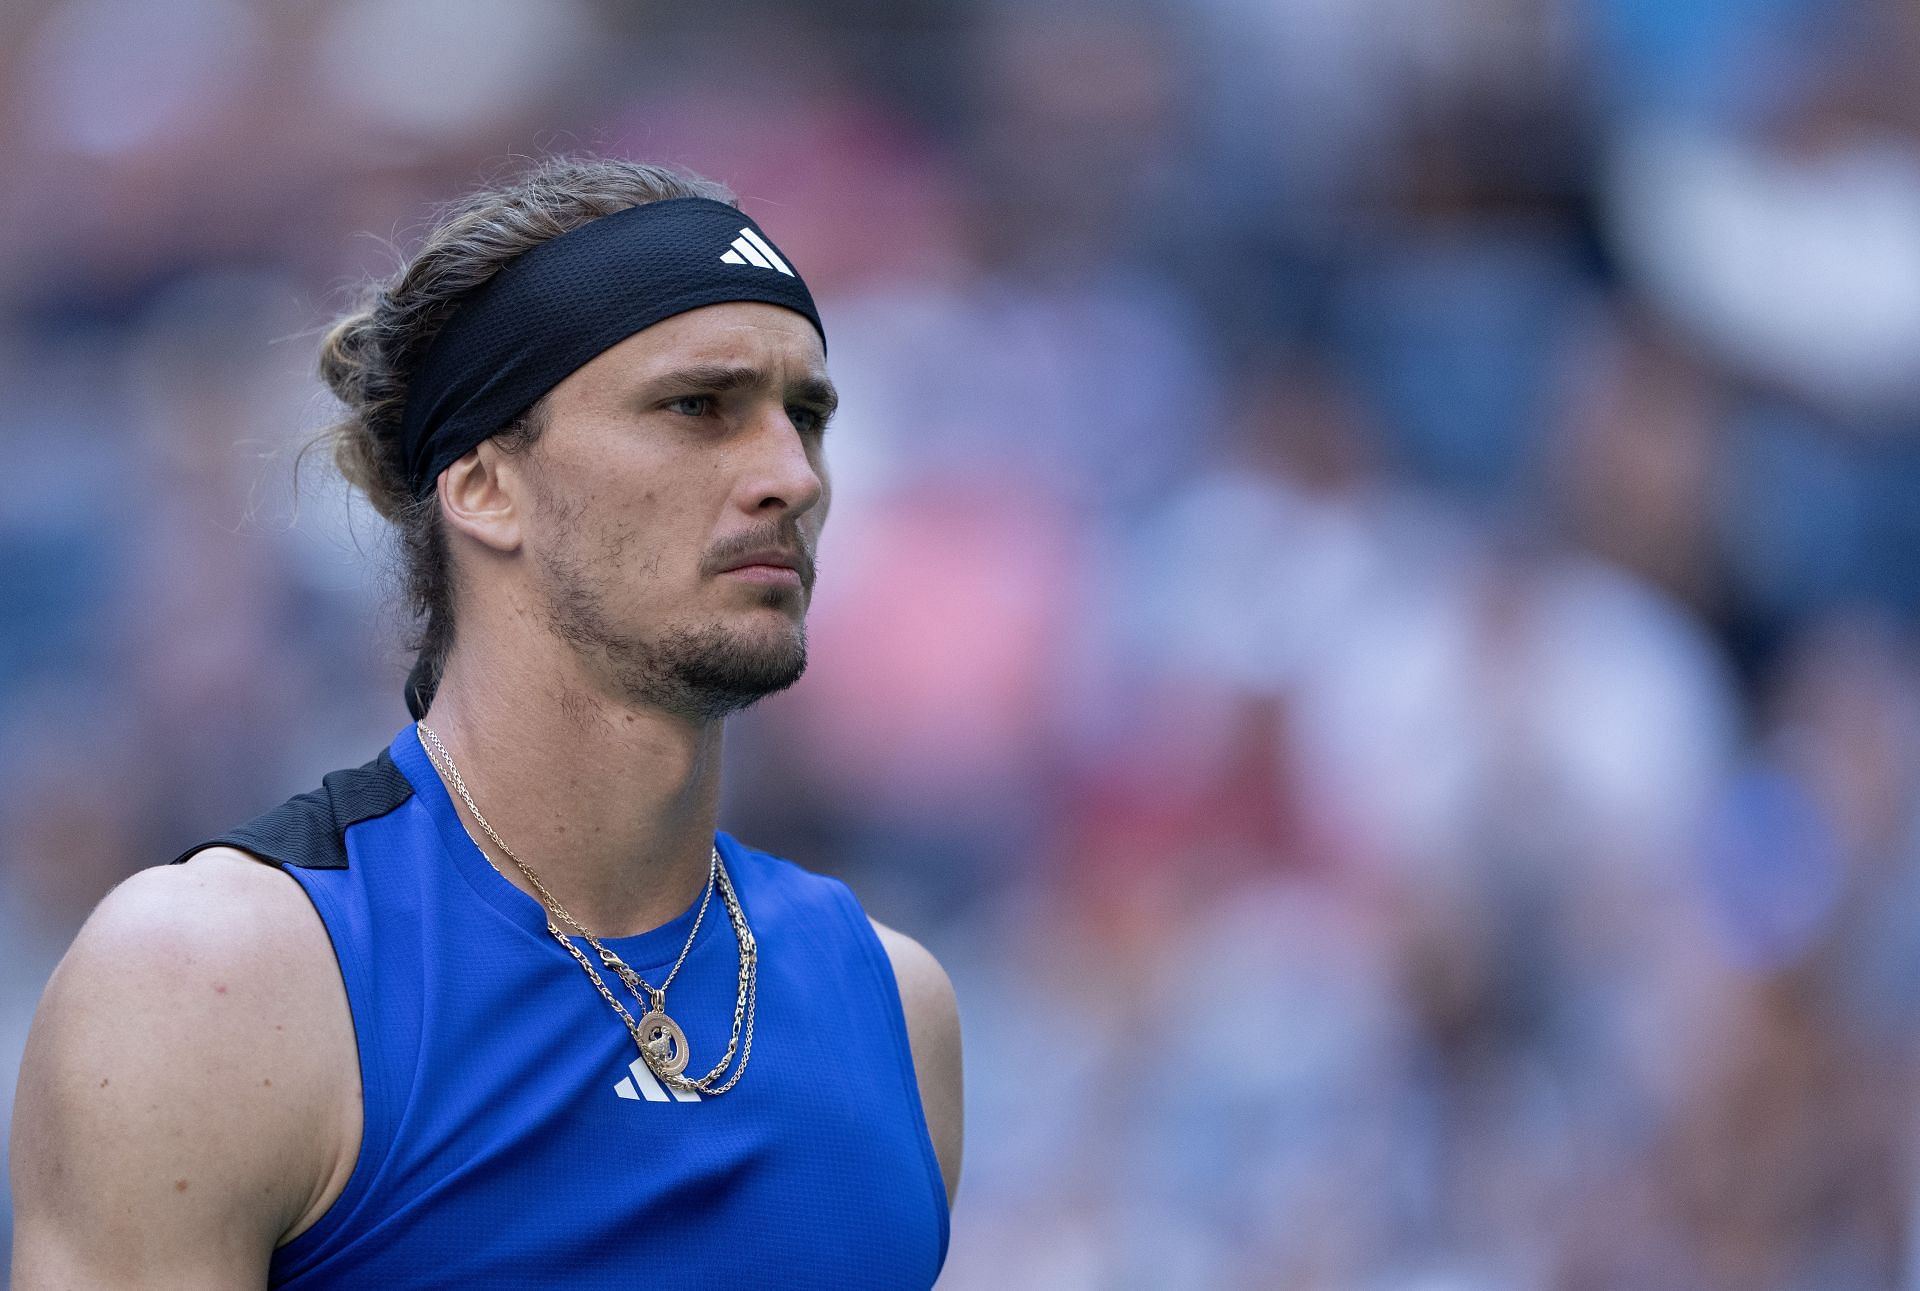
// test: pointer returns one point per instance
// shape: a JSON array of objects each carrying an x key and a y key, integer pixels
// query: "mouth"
[
  {"x": 767, "y": 575},
  {"x": 771, "y": 564}
]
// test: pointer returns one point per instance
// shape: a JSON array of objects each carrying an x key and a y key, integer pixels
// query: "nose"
[{"x": 786, "y": 475}]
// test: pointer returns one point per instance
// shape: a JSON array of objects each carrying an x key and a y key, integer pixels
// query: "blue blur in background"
[{"x": 1368, "y": 617}]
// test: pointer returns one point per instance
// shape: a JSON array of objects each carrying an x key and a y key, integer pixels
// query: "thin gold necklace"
[{"x": 662, "y": 1044}]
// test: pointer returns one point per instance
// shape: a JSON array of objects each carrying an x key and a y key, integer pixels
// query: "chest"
[{"x": 510, "y": 1136}]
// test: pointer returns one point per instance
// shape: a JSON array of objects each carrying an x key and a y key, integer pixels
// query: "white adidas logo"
[
  {"x": 642, "y": 1083},
  {"x": 751, "y": 248}
]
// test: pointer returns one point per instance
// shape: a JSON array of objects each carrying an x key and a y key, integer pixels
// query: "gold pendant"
[{"x": 662, "y": 1043}]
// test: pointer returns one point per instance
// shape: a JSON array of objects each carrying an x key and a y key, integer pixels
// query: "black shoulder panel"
[{"x": 310, "y": 830}]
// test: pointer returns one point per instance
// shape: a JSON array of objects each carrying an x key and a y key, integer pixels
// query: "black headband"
[{"x": 559, "y": 304}]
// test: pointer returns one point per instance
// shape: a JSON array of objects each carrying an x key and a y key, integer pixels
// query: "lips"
[
  {"x": 779, "y": 565},
  {"x": 777, "y": 559}
]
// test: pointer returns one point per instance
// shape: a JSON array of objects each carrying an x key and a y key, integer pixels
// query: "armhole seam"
[
  {"x": 304, "y": 1251},
  {"x": 880, "y": 965}
]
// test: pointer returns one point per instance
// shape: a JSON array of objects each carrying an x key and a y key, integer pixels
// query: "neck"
[{"x": 613, "y": 806}]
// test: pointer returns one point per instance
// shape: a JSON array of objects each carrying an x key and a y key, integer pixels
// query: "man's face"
[{"x": 678, "y": 472}]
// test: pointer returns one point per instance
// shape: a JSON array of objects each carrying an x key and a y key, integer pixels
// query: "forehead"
[{"x": 777, "y": 342}]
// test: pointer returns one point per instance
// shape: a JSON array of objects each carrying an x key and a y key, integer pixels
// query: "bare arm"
[
  {"x": 933, "y": 1029},
  {"x": 189, "y": 1096}
]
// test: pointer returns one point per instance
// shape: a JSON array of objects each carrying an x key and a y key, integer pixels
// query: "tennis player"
[{"x": 501, "y": 1007}]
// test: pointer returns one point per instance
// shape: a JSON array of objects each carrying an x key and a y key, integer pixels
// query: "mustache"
[{"x": 787, "y": 539}]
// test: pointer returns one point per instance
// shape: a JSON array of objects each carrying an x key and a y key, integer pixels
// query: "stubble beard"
[{"x": 701, "y": 673}]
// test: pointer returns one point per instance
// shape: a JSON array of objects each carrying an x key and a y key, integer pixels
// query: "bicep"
[{"x": 153, "y": 1146}]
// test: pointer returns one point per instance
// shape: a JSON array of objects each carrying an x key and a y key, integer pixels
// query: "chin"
[
  {"x": 714, "y": 669},
  {"x": 779, "y": 597}
]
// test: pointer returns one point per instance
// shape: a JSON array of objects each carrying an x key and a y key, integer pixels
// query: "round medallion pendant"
[{"x": 662, "y": 1043}]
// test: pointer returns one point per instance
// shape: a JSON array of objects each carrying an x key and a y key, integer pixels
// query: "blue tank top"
[{"x": 512, "y": 1139}]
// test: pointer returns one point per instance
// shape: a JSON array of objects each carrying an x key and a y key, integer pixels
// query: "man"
[{"x": 480, "y": 1012}]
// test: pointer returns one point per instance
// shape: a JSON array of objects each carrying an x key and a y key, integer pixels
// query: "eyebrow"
[{"x": 719, "y": 378}]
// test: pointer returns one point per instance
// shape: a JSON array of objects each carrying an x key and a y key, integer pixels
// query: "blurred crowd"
[{"x": 1369, "y": 617}]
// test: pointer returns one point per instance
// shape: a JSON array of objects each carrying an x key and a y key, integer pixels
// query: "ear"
[{"x": 479, "y": 497}]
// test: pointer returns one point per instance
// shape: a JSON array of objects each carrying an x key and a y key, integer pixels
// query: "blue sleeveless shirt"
[{"x": 511, "y": 1138}]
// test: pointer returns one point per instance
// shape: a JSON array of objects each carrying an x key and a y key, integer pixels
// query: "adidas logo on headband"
[{"x": 751, "y": 248}]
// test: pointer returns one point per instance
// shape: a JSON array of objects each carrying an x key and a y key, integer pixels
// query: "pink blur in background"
[{"x": 1370, "y": 611}]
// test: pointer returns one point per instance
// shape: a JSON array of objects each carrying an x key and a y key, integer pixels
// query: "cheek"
[
  {"x": 826, "y": 486},
  {"x": 653, "y": 542},
  {"x": 635, "y": 517},
  {"x": 646, "y": 537},
  {"x": 621, "y": 544},
  {"x": 589, "y": 527}
]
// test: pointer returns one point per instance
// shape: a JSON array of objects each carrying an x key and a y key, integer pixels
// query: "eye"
[
  {"x": 808, "y": 421},
  {"x": 692, "y": 405}
]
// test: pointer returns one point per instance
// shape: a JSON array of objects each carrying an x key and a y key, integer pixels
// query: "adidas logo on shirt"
[
  {"x": 642, "y": 1083},
  {"x": 751, "y": 248}
]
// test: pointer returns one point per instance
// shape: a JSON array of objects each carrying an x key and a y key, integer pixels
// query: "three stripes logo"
[
  {"x": 751, "y": 248},
  {"x": 640, "y": 1082}
]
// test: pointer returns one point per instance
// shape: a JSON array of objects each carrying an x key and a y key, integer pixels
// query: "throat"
[{"x": 614, "y": 836}]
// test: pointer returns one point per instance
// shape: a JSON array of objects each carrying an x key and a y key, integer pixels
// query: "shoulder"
[
  {"x": 223, "y": 932},
  {"x": 925, "y": 987},
  {"x": 190, "y": 1076},
  {"x": 933, "y": 1028},
  {"x": 220, "y": 947},
  {"x": 926, "y": 993}
]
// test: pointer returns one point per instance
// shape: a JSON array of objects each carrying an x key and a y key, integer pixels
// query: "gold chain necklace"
[{"x": 662, "y": 1044}]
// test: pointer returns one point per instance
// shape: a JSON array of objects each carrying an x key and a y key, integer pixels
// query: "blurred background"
[{"x": 1369, "y": 617}]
